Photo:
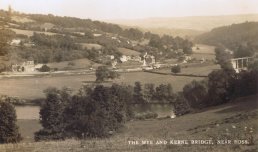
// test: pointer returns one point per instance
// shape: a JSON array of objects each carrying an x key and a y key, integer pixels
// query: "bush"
[
  {"x": 103, "y": 73},
  {"x": 181, "y": 105},
  {"x": 196, "y": 94},
  {"x": 13, "y": 100},
  {"x": 176, "y": 69},
  {"x": 147, "y": 115},
  {"x": 9, "y": 132},
  {"x": 44, "y": 68}
]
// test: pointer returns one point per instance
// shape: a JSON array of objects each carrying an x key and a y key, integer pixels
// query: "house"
[
  {"x": 136, "y": 58},
  {"x": 27, "y": 66},
  {"x": 15, "y": 42},
  {"x": 124, "y": 58},
  {"x": 114, "y": 63}
]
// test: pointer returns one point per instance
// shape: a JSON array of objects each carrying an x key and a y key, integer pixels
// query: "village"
[{"x": 85, "y": 80}]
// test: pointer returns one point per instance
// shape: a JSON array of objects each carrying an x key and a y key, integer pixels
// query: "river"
[{"x": 163, "y": 110}]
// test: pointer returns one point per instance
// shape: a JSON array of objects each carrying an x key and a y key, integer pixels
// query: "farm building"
[
  {"x": 27, "y": 66},
  {"x": 15, "y": 42}
]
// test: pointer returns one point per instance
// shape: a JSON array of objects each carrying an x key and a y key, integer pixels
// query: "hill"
[
  {"x": 189, "y": 26},
  {"x": 236, "y": 37},
  {"x": 233, "y": 121},
  {"x": 49, "y": 38}
]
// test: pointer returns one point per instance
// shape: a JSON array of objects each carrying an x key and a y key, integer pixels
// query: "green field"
[
  {"x": 197, "y": 69},
  {"x": 32, "y": 87},
  {"x": 30, "y": 33},
  {"x": 76, "y": 64},
  {"x": 91, "y": 46},
  {"x": 128, "y": 52},
  {"x": 205, "y": 51},
  {"x": 231, "y": 121}
]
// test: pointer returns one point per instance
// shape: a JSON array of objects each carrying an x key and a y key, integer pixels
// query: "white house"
[
  {"x": 27, "y": 66},
  {"x": 15, "y": 42}
]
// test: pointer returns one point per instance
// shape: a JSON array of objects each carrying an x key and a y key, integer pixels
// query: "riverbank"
[{"x": 231, "y": 121}]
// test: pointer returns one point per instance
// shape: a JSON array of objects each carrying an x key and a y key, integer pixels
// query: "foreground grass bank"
[{"x": 233, "y": 121}]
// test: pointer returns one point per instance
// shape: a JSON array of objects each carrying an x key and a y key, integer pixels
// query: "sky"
[{"x": 132, "y": 9}]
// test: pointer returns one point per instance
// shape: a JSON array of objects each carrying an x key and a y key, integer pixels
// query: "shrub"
[
  {"x": 9, "y": 131},
  {"x": 146, "y": 115},
  {"x": 196, "y": 93},
  {"x": 103, "y": 73},
  {"x": 181, "y": 105},
  {"x": 176, "y": 69},
  {"x": 44, "y": 68}
]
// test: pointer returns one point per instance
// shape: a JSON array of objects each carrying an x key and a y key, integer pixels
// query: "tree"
[
  {"x": 176, "y": 69},
  {"x": 244, "y": 51},
  {"x": 51, "y": 114},
  {"x": 44, "y": 68},
  {"x": 149, "y": 91},
  {"x": 9, "y": 131},
  {"x": 164, "y": 93},
  {"x": 2, "y": 67},
  {"x": 181, "y": 105},
  {"x": 5, "y": 37},
  {"x": 223, "y": 58},
  {"x": 253, "y": 66},
  {"x": 218, "y": 84},
  {"x": 138, "y": 95},
  {"x": 96, "y": 111},
  {"x": 103, "y": 73},
  {"x": 196, "y": 93}
]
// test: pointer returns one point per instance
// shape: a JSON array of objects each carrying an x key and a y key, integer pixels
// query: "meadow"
[
  {"x": 30, "y": 33},
  {"x": 195, "y": 69},
  {"x": 75, "y": 64},
  {"x": 204, "y": 52},
  {"x": 33, "y": 87}
]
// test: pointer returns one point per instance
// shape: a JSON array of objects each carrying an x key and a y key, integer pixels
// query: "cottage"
[
  {"x": 15, "y": 42},
  {"x": 27, "y": 66}
]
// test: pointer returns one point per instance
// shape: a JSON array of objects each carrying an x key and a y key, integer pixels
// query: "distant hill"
[
  {"x": 237, "y": 37},
  {"x": 185, "y": 33},
  {"x": 184, "y": 24},
  {"x": 50, "y": 38}
]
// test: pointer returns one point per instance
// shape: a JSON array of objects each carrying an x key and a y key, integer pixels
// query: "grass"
[
  {"x": 205, "y": 51},
  {"x": 77, "y": 64},
  {"x": 198, "y": 69},
  {"x": 128, "y": 52},
  {"x": 32, "y": 87},
  {"x": 231, "y": 121},
  {"x": 176, "y": 82},
  {"x": 91, "y": 46},
  {"x": 27, "y": 128},
  {"x": 22, "y": 19},
  {"x": 30, "y": 33}
]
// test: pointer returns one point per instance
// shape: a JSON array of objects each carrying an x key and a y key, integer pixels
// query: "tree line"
[{"x": 240, "y": 38}]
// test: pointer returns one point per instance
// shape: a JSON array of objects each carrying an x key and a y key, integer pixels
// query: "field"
[
  {"x": 75, "y": 64},
  {"x": 91, "y": 46},
  {"x": 32, "y": 87},
  {"x": 204, "y": 51},
  {"x": 233, "y": 121},
  {"x": 128, "y": 52},
  {"x": 30, "y": 33},
  {"x": 198, "y": 69},
  {"x": 21, "y": 19}
]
